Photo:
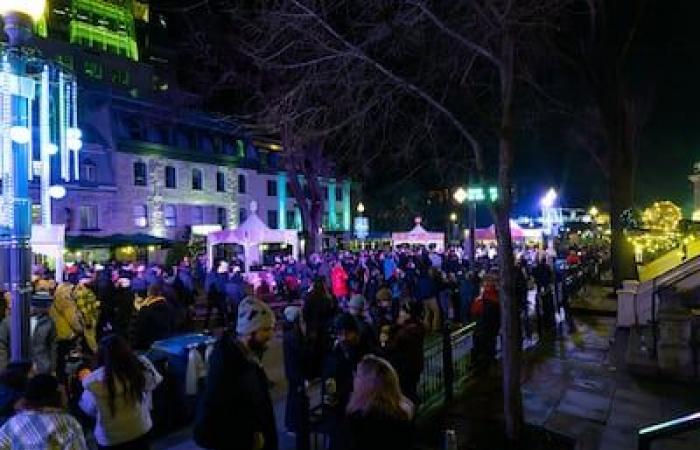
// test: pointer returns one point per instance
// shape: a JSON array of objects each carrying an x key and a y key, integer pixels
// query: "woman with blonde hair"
[{"x": 379, "y": 415}]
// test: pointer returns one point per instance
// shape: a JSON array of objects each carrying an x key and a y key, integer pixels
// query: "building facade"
[{"x": 150, "y": 165}]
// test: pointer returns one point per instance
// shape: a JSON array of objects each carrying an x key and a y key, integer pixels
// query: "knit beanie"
[{"x": 253, "y": 315}]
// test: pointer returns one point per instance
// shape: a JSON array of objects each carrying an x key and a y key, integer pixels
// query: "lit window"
[
  {"x": 170, "y": 216},
  {"x": 88, "y": 217},
  {"x": 140, "y": 216},
  {"x": 291, "y": 220}
]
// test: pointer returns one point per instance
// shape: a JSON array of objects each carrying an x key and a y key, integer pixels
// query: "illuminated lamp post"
[
  {"x": 26, "y": 86},
  {"x": 549, "y": 218},
  {"x": 474, "y": 195}
]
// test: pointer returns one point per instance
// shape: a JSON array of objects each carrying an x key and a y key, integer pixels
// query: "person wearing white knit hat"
[{"x": 236, "y": 377}]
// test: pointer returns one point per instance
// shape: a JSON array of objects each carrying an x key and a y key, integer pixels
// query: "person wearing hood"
[
  {"x": 118, "y": 395},
  {"x": 235, "y": 411},
  {"x": 69, "y": 324},
  {"x": 152, "y": 321},
  {"x": 42, "y": 336},
  {"x": 42, "y": 423}
]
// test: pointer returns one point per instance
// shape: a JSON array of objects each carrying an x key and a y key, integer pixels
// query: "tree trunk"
[
  {"x": 511, "y": 346},
  {"x": 620, "y": 134}
]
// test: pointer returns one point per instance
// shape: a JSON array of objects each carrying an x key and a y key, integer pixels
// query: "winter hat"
[
  {"x": 253, "y": 315},
  {"x": 41, "y": 300},
  {"x": 357, "y": 302},
  {"x": 292, "y": 313}
]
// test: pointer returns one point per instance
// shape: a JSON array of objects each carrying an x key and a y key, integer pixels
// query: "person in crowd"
[
  {"x": 42, "y": 336},
  {"x": 13, "y": 382},
  {"x": 427, "y": 294},
  {"x": 139, "y": 284},
  {"x": 152, "y": 320},
  {"x": 339, "y": 366},
  {"x": 117, "y": 394},
  {"x": 296, "y": 363},
  {"x": 520, "y": 279},
  {"x": 404, "y": 349},
  {"x": 216, "y": 292},
  {"x": 69, "y": 325},
  {"x": 235, "y": 411},
  {"x": 339, "y": 283},
  {"x": 487, "y": 313},
  {"x": 378, "y": 414},
  {"x": 89, "y": 308},
  {"x": 41, "y": 422},
  {"x": 467, "y": 285},
  {"x": 318, "y": 312},
  {"x": 368, "y": 333},
  {"x": 117, "y": 315}
]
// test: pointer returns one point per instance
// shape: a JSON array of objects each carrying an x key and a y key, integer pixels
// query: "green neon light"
[
  {"x": 331, "y": 206},
  {"x": 96, "y": 37},
  {"x": 346, "y": 205}
]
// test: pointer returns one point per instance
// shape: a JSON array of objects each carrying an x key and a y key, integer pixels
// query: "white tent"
[
  {"x": 251, "y": 234},
  {"x": 50, "y": 240},
  {"x": 419, "y": 236}
]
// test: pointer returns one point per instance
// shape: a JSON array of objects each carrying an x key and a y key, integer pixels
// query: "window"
[
  {"x": 197, "y": 215},
  {"x": 242, "y": 215},
  {"x": 271, "y": 188},
  {"x": 170, "y": 216},
  {"x": 339, "y": 220},
  {"x": 324, "y": 189},
  {"x": 272, "y": 218},
  {"x": 140, "y": 216},
  {"x": 291, "y": 220},
  {"x": 93, "y": 69},
  {"x": 220, "y": 182},
  {"x": 338, "y": 194},
  {"x": 170, "y": 177},
  {"x": 66, "y": 61},
  {"x": 88, "y": 217},
  {"x": 88, "y": 171},
  {"x": 120, "y": 77},
  {"x": 221, "y": 217},
  {"x": 197, "y": 179},
  {"x": 139, "y": 173},
  {"x": 241, "y": 184}
]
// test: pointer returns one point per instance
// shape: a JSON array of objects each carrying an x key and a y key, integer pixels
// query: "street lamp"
[
  {"x": 360, "y": 208},
  {"x": 37, "y": 96},
  {"x": 548, "y": 218},
  {"x": 453, "y": 217}
]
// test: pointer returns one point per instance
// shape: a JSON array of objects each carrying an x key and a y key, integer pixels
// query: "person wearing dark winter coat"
[
  {"x": 152, "y": 321},
  {"x": 296, "y": 363},
  {"x": 338, "y": 372},
  {"x": 318, "y": 312},
  {"x": 13, "y": 381},
  {"x": 235, "y": 411},
  {"x": 405, "y": 350}
]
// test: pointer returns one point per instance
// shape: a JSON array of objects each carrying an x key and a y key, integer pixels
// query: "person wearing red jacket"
[
  {"x": 339, "y": 283},
  {"x": 486, "y": 311}
]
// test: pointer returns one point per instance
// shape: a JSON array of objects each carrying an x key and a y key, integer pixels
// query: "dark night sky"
[{"x": 670, "y": 42}]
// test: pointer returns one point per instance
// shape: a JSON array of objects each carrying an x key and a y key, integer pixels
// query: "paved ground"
[{"x": 577, "y": 387}]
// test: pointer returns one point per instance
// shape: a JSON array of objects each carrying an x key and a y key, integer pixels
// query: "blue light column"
[
  {"x": 332, "y": 225},
  {"x": 282, "y": 198},
  {"x": 346, "y": 205}
]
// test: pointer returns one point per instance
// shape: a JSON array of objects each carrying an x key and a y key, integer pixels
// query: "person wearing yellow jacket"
[
  {"x": 69, "y": 324},
  {"x": 89, "y": 308}
]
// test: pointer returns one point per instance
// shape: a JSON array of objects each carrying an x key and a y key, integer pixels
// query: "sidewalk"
[{"x": 577, "y": 387}]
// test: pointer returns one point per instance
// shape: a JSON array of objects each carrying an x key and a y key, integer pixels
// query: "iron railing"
[{"x": 670, "y": 428}]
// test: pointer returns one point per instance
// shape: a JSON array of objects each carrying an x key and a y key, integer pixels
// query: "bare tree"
[{"x": 345, "y": 71}]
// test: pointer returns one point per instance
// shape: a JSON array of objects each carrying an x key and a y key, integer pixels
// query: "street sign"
[{"x": 361, "y": 227}]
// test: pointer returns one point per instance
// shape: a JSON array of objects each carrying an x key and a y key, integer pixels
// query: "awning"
[{"x": 115, "y": 240}]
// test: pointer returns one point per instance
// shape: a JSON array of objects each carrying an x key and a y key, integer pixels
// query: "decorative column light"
[{"x": 27, "y": 85}]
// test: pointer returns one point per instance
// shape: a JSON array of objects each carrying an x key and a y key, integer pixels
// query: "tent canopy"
[
  {"x": 251, "y": 234},
  {"x": 489, "y": 234},
  {"x": 419, "y": 236}
]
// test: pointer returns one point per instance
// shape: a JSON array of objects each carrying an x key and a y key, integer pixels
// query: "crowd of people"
[{"x": 357, "y": 321}]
